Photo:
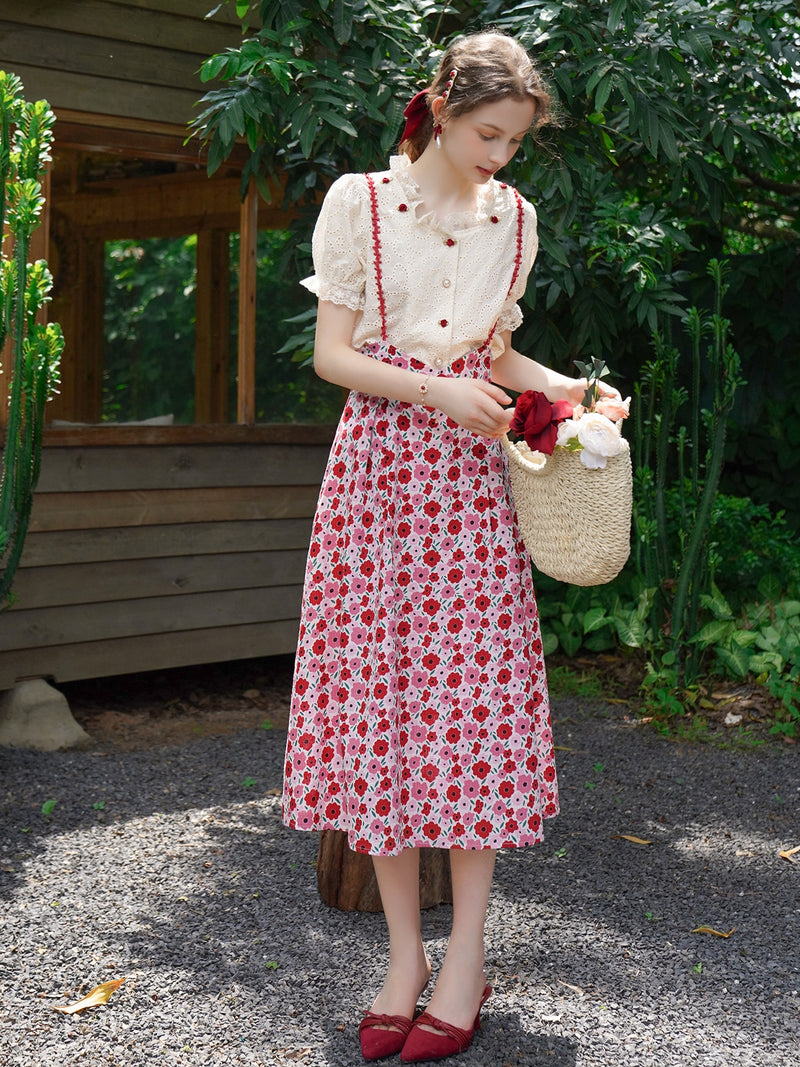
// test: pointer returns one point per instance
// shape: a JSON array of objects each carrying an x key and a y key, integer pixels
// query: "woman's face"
[{"x": 485, "y": 139}]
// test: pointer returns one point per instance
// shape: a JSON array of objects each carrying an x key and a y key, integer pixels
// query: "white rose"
[
  {"x": 592, "y": 460},
  {"x": 567, "y": 430},
  {"x": 599, "y": 435}
]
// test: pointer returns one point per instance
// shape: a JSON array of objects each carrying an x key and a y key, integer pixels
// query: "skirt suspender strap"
[{"x": 376, "y": 244}]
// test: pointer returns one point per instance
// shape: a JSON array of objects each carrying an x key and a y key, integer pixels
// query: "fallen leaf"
[
  {"x": 574, "y": 988},
  {"x": 101, "y": 994},
  {"x": 563, "y": 748},
  {"x": 787, "y": 853},
  {"x": 711, "y": 930},
  {"x": 630, "y": 837}
]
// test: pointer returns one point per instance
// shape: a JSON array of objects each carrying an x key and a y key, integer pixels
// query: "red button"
[
  {"x": 495, "y": 218},
  {"x": 450, "y": 242},
  {"x": 402, "y": 207},
  {"x": 442, "y": 322}
]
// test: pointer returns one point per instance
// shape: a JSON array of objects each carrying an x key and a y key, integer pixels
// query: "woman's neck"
[{"x": 443, "y": 189}]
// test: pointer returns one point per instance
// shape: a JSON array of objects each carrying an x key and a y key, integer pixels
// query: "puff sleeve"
[
  {"x": 339, "y": 245},
  {"x": 510, "y": 317}
]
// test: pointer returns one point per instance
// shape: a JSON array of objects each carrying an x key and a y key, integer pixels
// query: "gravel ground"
[{"x": 170, "y": 868}]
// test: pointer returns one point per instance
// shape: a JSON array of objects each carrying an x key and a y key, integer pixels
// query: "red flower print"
[
  {"x": 483, "y": 828},
  {"x": 383, "y": 807},
  {"x": 431, "y": 830},
  {"x": 381, "y": 747}
]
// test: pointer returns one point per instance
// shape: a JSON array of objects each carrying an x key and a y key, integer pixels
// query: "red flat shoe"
[
  {"x": 423, "y": 1045},
  {"x": 377, "y": 1042}
]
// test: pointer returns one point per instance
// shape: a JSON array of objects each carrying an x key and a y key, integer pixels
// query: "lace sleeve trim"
[
  {"x": 337, "y": 294},
  {"x": 510, "y": 318}
]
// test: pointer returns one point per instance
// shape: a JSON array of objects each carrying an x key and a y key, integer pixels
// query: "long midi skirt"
[{"x": 419, "y": 712}]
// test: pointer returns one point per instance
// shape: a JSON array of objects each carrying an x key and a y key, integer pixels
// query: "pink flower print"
[
  {"x": 329, "y": 542},
  {"x": 414, "y": 763},
  {"x": 499, "y": 809},
  {"x": 471, "y": 788},
  {"x": 446, "y": 813},
  {"x": 469, "y": 731},
  {"x": 417, "y": 733}
]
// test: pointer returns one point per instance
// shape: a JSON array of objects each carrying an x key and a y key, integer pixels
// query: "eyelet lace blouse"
[{"x": 445, "y": 280}]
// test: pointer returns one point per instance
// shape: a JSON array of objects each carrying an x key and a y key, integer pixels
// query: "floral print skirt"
[{"x": 419, "y": 710}]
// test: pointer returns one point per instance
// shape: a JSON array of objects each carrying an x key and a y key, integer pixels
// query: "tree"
[
  {"x": 34, "y": 348},
  {"x": 677, "y": 139}
]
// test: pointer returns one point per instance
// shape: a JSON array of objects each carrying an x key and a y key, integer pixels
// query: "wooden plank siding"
[
  {"x": 135, "y": 60},
  {"x": 141, "y": 557}
]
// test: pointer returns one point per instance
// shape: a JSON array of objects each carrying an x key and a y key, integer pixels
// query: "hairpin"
[{"x": 451, "y": 77}]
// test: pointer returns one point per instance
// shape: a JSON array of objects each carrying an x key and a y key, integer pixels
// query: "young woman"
[{"x": 420, "y": 714}]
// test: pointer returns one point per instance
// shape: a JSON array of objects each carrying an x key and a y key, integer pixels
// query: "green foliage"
[
  {"x": 596, "y": 619},
  {"x": 680, "y": 569},
  {"x": 763, "y": 641},
  {"x": 677, "y": 135},
  {"x": 35, "y": 349},
  {"x": 148, "y": 361}
]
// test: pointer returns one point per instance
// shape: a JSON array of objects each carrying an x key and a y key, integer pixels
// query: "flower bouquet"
[{"x": 572, "y": 483}]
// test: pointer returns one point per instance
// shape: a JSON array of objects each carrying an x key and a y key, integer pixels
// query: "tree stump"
[{"x": 346, "y": 879}]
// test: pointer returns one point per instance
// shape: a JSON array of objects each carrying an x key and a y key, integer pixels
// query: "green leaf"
[
  {"x": 735, "y": 659},
  {"x": 594, "y": 619},
  {"x": 342, "y": 20},
  {"x": 770, "y": 588},
  {"x": 333, "y": 118}
]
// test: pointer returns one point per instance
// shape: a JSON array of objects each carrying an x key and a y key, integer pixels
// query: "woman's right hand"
[{"x": 475, "y": 404}]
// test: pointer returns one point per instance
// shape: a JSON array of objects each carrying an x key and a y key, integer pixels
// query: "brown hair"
[{"x": 491, "y": 66}]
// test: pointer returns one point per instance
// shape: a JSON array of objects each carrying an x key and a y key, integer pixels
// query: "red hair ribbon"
[{"x": 415, "y": 114}]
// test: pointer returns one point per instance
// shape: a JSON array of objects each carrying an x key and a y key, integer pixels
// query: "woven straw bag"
[{"x": 575, "y": 522}]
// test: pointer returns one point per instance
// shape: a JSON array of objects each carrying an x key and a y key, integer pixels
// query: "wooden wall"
[
  {"x": 163, "y": 554},
  {"x": 130, "y": 58}
]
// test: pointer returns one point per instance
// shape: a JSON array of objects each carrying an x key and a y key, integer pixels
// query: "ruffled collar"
[{"x": 490, "y": 200}]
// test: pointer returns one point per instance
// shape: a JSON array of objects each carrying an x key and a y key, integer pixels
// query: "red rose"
[{"x": 536, "y": 419}]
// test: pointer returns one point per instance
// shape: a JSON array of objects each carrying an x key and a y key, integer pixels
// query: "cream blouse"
[{"x": 445, "y": 281}]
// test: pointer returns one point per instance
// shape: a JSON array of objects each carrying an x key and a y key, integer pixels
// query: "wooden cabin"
[{"x": 150, "y": 546}]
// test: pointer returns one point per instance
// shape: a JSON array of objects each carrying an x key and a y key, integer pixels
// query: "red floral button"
[
  {"x": 402, "y": 207},
  {"x": 503, "y": 185},
  {"x": 386, "y": 180},
  {"x": 450, "y": 242},
  {"x": 495, "y": 218},
  {"x": 442, "y": 322}
]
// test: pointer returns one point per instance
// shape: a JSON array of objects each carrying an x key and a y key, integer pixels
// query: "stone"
[{"x": 35, "y": 715}]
